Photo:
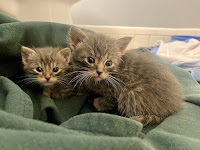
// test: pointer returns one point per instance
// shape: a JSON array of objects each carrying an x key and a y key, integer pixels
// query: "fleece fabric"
[{"x": 32, "y": 121}]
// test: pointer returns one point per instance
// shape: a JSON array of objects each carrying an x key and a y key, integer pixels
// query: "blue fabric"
[
  {"x": 184, "y": 38},
  {"x": 194, "y": 71}
]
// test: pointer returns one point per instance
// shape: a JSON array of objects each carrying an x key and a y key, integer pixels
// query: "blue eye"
[
  {"x": 91, "y": 60},
  {"x": 55, "y": 69},
  {"x": 39, "y": 69},
  {"x": 108, "y": 63}
]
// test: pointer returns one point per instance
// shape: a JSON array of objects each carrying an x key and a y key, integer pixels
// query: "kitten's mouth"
[
  {"x": 97, "y": 78},
  {"x": 100, "y": 77},
  {"x": 47, "y": 83}
]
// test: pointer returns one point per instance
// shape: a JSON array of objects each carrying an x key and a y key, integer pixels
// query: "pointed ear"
[
  {"x": 76, "y": 36},
  {"x": 65, "y": 53},
  {"x": 26, "y": 52},
  {"x": 123, "y": 43}
]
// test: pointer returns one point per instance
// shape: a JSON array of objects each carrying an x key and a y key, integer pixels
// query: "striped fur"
[{"x": 139, "y": 86}]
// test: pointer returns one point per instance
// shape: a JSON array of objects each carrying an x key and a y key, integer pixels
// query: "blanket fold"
[{"x": 30, "y": 120}]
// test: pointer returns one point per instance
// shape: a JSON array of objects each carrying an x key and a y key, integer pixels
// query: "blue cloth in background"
[{"x": 194, "y": 71}]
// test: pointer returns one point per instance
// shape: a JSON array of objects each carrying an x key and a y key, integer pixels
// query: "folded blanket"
[{"x": 30, "y": 120}]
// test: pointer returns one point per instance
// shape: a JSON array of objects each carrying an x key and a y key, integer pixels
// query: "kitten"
[
  {"x": 48, "y": 66},
  {"x": 133, "y": 82}
]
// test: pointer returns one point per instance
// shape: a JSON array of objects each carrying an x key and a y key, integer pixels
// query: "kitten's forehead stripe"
[{"x": 100, "y": 46}]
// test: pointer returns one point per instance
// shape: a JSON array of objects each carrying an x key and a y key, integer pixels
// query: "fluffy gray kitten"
[
  {"x": 135, "y": 83},
  {"x": 48, "y": 66}
]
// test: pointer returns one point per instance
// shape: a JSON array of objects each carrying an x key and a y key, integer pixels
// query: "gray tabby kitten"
[
  {"x": 139, "y": 86},
  {"x": 48, "y": 66}
]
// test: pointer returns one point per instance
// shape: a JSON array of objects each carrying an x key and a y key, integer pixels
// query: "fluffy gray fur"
[
  {"x": 135, "y": 83},
  {"x": 54, "y": 83}
]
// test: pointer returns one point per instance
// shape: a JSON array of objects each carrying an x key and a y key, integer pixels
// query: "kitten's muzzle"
[
  {"x": 47, "y": 78},
  {"x": 99, "y": 73},
  {"x": 100, "y": 76}
]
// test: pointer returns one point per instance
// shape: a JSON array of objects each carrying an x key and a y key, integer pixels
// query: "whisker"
[
  {"x": 116, "y": 79},
  {"x": 83, "y": 76},
  {"x": 116, "y": 82},
  {"x": 22, "y": 77},
  {"x": 113, "y": 73},
  {"x": 87, "y": 76},
  {"x": 71, "y": 73},
  {"x": 33, "y": 84},
  {"x": 29, "y": 82},
  {"x": 25, "y": 80},
  {"x": 111, "y": 82},
  {"x": 106, "y": 81},
  {"x": 75, "y": 78},
  {"x": 80, "y": 67},
  {"x": 84, "y": 68},
  {"x": 62, "y": 82}
]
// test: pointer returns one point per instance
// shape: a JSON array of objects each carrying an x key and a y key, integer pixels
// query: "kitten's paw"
[
  {"x": 140, "y": 118},
  {"x": 46, "y": 93},
  {"x": 148, "y": 119},
  {"x": 97, "y": 104}
]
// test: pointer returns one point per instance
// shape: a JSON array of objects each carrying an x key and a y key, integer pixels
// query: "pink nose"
[
  {"x": 47, "y": 78},
  {"x": 99, "y": 73}
]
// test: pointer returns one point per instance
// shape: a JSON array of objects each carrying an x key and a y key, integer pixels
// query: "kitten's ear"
[
  {"x": 123, "y": 43},
  {"x": 26, "y": 52},
  {"x": 76, "y": 36},
  {"x": 65, "y": 53}
]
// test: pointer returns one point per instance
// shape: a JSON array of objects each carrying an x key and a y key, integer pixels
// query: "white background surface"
[{"x": 138, "y": 13}]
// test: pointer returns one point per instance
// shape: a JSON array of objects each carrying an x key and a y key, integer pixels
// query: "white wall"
[
  {"x": 138, "y": 13},
  {"x": 38, "y": 10}
]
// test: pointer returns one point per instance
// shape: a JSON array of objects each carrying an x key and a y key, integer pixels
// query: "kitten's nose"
[
  {"x": 99, "y": 73},
  {"x": 47, "y": 78}
]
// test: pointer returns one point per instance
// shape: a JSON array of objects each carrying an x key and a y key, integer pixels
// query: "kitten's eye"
[
  {"x": 39, "y": 69},
  {"x": 90, "y": 60},
  {"x": 55, "y": 69},
  {"x": 108, "y": 63}
]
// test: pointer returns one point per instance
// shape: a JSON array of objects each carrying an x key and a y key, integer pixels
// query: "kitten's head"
[
  {"x": 46, "y": 65},
  {"x": 97, "y": 53}
]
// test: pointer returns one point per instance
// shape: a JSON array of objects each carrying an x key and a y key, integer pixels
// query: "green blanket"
[{"x": 29, "y": 120}]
